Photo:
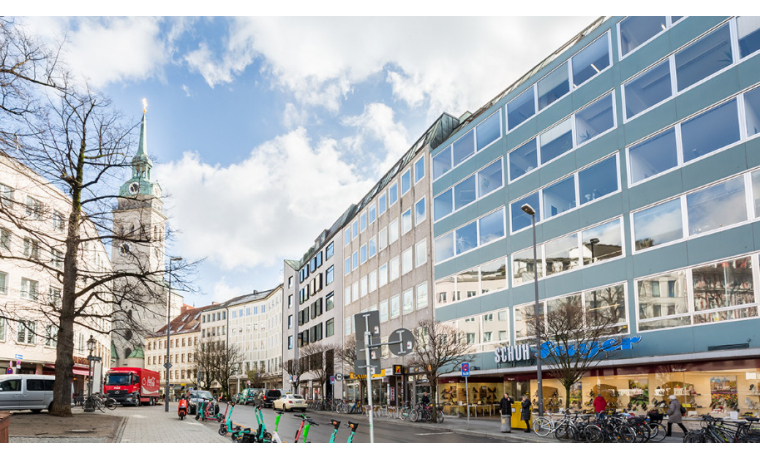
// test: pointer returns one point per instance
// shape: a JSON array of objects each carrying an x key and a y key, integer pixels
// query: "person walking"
[
  {"x": 525, "y": 412},
  {"x": 675, "y": 416},
  {"x": 600, "y": 404}
]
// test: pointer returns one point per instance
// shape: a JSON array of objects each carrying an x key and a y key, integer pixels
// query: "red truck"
[{"x": 132, "y": 385}]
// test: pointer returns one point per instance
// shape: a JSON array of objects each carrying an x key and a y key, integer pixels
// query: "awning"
[{"x": 78, "y": 370}]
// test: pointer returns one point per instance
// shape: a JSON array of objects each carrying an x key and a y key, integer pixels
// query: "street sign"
[
  {"x": 405, "y": 339},
  {"x": 19, "y": 356},
  {"x": 332, "y": 380},
  {"x": 167, "y": 365},
  {"x": 465, "y": 369},
  {"x": 371, "y": 319},
  {"x": 339, "y": 377}
]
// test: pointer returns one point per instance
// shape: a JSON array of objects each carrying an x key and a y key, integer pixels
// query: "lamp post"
[
  {"x": 168, "y": 364},
  {"x": 527, "y": 209},
  {"x": 88, "y": 407}
]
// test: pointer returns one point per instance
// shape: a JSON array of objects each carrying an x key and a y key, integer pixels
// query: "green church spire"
[{"x": 140, "y": 183}]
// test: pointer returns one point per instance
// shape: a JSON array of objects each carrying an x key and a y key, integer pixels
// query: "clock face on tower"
[
  {"x": 124, "y": 249},
  {"x": 134, "y": 187}
]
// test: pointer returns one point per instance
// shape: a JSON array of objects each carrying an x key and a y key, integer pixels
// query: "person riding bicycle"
[{"x": 425, "y": 400}]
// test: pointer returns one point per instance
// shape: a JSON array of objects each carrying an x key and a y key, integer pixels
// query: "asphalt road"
[{"x": 384, "y": 431}]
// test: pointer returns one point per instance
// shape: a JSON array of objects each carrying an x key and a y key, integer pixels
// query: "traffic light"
[{"x": 398, "y": 369}]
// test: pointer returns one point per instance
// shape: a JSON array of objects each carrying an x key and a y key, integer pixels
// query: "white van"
[{"x": 27, "y": 392}]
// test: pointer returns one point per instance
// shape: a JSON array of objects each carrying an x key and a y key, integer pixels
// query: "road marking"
[{"x": 430, "y": 434}]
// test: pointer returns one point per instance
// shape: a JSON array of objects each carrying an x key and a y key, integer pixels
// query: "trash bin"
[
  {"x": 506, "y": 423},
  {"x": 5, "y": 423}
]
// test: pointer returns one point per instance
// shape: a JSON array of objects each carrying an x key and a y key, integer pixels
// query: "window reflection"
[
  {"x": 490, "y": 178},
  {"x": 467, "y": 284},
  {"x": 464, "y": 192},
  {"x": 606, "y": 306},
  {"x": 521, "y": 108},
  {"x": 648, "y": 89},
  {"x": 464, "y": 147},
  {"x": 717, "y": 206},
  {"x": 489, "y": 130},
  {"x": 710, "y": 131},
  {"x": 520, "y": 219},
  {"x": 442, "y": 163},
  {"x": 493, "y": 276},
  {"x": 658, "y": 225},
  {"x": 752, "y": 111},
  {"x": 562, "y": 254},
  {"x": 663, "y": 295},
  {"x": 522, "y": 267},
  {"x": 756, "y": 191},
  {"x": 653, "y": 156},
  {"x": 598, "y": 180},
  {"x": 703, "y": 58},
  {"x": 523, "y": 160},
  {"x": 444, "y": 291},
  {"x": 749, "y": 34},
  {"x": 556, "y": 141},
  {"x": 559, "y": 197},
  {"x": 636, "y": 30},
  {"x": 594, "y": 120},
  {"x": 492, "y": 227},
  {"x": 725, "y": 284},
  {"x": 590, "y": 61},
  {"x": 466, "y": 238},
  {"x": 442, "y": 204},
  {"x": 444, "y": 247},
  {"x": 602, "y": 242},
  {"x": 553, "y": 86}
]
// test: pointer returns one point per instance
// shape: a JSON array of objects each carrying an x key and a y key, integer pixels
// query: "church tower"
[{"x": 139, "y": 225}]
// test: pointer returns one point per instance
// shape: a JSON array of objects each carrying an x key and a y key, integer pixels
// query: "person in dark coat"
[
  {"x": 425, "y": 400},
  {"x": 525, "y": 412},
  {"x": 505, "y": 405},
  {"x": 674, "y": 415}
]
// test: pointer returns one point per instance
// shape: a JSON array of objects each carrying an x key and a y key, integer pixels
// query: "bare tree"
[
  {"x": 321, "y": 360},
  {"x": 574, "y": 333},
  {"x": 257, "y": 377},
  {"x": 296, "y": 369},
  {"x": 347, "y": 353},
  {"x": 440, "y": 348},
  {"x": 218, "y": 361}
]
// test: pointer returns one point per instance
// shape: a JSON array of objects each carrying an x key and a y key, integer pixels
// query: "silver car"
[{"x": 28, "y": 392}]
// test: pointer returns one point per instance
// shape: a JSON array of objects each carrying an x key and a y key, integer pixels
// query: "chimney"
[{"x": 255, "y": 292}]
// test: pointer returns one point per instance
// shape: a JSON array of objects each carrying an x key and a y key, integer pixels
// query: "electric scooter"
[
  {"x": 336, "y": 425},
  {"x": 261, "y": 435},
  {"x": 207, "y": 411},
  {"x": 353, "y": 427},
  {"x": 182, "y": 408},
  {"x": 306, "y": 424},
  {"x": 226, "y": 425}
]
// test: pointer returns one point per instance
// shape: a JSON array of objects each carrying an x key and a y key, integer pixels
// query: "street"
[{"x": 385, "y": 431}]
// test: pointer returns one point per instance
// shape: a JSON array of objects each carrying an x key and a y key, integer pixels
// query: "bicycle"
[{"x": 100, "y": 402}]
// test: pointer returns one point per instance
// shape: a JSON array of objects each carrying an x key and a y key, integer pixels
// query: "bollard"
[{"x": 506, "y": 424}]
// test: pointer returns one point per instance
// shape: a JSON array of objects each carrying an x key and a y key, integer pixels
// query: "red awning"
[{"x": 78, "y": 369}]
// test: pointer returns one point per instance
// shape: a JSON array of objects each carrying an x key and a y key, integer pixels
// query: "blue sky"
[{"x": 264, "y": 130}]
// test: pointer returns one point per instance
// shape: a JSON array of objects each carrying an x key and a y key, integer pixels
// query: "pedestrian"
[
  {"x": 505, "y": 405},
  {"x": 675, "y": 416},
  {"x": 525, "y": 412},
  {"x": 599, "y": 405},
  {"x": 425, "y": 399}
]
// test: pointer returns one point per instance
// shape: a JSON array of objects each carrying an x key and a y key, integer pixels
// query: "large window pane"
[
  {"x": 406, "y": 221},
  {"x": 493, "y": 276},
  {"x": 490, "y": 178},
  {"x": 717, "y": 206},
  {"x": 522, "y": 266},
  {"x": 635, "y": 30},
  {"x": 464, "y": 147},
  {"x": 725, "y": 315},
  {"x": 602, "y": 242},
  {"x": 408, "y": 301},
  {"x": 466, "y": 238},
  {"x": 520, "y": 219},
  {"x": 648, "y": 89},
  {"x": 444, "y": 291},
  {"x": 658, "y": 225},
  {"x": 464, "y": 192},
  {"x": 725, "y": 284},
  {"x": 653, "y": 156},
  {"x": 559, "y": 197},
  {"x": 523, "y": 160},
  {"x": 419, "y": 212},
  {"x": 752, "y": 111},
  {"x": 749, "y": 34},
  {"x": 489, "y": 130},
  {"x": 492, "y": 227},
  {"x": 703, "y": 58},
  {"x": 521, "y": 108},
  {"x": 561, "y": 254},
  {"x": 442, "y": 204},
  {"x": 598, "y": 180},
  {"x": 441, "y": 163},
  {"x": 467, "y": 284},
  {"x": 663, "y": 295},
  {"x": 592, "y": 60},
  {"x": 419, "y": 169},
  {"x": 525, "y": 319},
  {"x": 553, "y": 86},
  {"x": 444, "y": 247},
  {"x": 710, "y": 131},
  {"x": 406, "y": 181},
  {"x": 594, "y": 120},
  {"x": 606, "y": 306},
  {"x": 556, "y": 141}
]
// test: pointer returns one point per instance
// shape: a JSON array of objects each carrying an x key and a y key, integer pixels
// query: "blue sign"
[
  {"x": 589, "y": 349},
  {"x": 19, "y": 357},
  {"x": 332, "y": 380},
  {"x": 465, "y": 369}
]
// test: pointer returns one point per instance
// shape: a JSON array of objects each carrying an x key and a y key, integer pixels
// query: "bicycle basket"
[{"x": 655, "y": 416}]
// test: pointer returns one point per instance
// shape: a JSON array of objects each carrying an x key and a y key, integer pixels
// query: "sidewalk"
[
  {"x": 491, "y": 427},
  {"x": 153, "y": 424}
]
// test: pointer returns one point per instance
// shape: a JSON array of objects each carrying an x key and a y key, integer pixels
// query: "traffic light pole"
[{"x": 367, "y": 341}]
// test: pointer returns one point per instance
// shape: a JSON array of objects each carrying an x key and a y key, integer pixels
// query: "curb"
[
  {"x": 503, "y": 436},
  {"x": 120, "y": 430}
]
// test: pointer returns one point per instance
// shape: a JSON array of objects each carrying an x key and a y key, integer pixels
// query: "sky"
[{"x": 264, "y": 130}]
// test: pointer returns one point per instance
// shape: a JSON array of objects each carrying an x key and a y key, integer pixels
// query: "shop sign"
[
  {"x": 589, "y": 349},
  {"x": 512, "y": 353},
  {"x": 80, "y": 360}
]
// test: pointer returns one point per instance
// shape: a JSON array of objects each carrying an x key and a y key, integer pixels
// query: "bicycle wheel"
[
  {"x": 414, "y": 415},
  {"x": 625, "y": 434},
  {"x": 593, "y": 434},
  {"x": 643, "y": 433},
  {"x": 110, "y": 404},
  {"x": 565, "y": 432},
  {"x": 694, "y": 436},
  {"x": 542, "y": 426},
  {"x": 657, "y": 432}
]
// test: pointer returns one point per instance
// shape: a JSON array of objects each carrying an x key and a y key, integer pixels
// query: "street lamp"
[
  {"x": 168, "y": 364},
  {"x": 527, "y": 209},
  {"x": 90, "y": 347}
]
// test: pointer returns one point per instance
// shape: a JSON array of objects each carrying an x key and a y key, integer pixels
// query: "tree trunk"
[
  {"x": 567, "y": 397},
  {"x": 433, "y": 398}
]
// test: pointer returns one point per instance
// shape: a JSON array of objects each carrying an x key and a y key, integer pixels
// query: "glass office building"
[{"x": 637, "y": 145}]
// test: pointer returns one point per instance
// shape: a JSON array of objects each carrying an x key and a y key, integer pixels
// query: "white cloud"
[
  {"x": 443, "y": 63},
  {"x": 376, "y": 123},
  {"x": 224, "y": 292},
  {"x": 293, "y": 117},
  {"x": 271, "y": 205},
  {"x": 186, "y": 89},
  {"x": 108, "y": 50}
]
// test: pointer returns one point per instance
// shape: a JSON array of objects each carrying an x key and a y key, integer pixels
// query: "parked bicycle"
[{"x": 101, "y": 402}]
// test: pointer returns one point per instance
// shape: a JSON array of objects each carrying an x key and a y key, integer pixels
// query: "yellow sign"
[{"x": 364, "y": 376}]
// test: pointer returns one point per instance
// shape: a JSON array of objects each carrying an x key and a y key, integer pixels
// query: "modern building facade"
[{"x": 637, "y": 146}]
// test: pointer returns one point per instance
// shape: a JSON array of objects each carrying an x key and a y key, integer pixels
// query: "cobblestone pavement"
[
  {"x": 152, "y": 424},
  {"x": 94, "y": 427}
]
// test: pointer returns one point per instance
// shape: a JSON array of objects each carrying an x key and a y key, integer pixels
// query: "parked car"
[
  {"x": 250, "y": 394},
  {"x": 32, "y": 392},
  {"x": 290, "y": 402},
  {"x": 195, "y": 399},
  {"x": 267, "y": 397}
]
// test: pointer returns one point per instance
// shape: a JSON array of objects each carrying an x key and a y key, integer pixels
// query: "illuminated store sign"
[{"x": 523, "y": 352}]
